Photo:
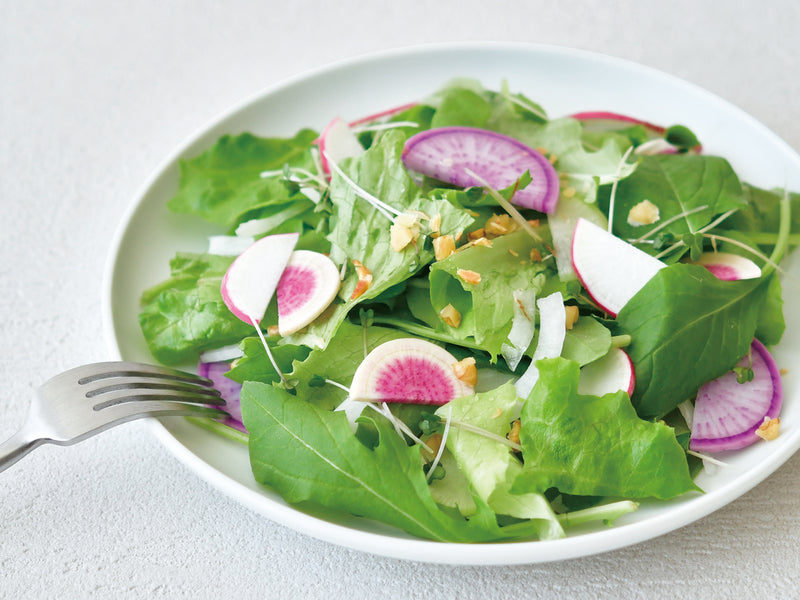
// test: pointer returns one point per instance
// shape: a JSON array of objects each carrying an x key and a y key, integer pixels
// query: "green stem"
[
  {"x": 768, "y": 238},
  {"x": 220, "y": 429},
  {"x": 620, "y": 341},
  {"x": 423, "y": 331},
  {"x": 782, "y": 243},
  {"x": 608, "y": 513}
]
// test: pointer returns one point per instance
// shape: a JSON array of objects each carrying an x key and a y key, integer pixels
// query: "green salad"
[{"x": 474, "y": 322}]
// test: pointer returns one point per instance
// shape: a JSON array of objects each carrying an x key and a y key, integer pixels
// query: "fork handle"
[{"x": 15, "y": 447}]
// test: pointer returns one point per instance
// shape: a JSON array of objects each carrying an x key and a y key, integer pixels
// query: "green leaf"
[
  {"x": 587, "y": 341},
  {"x": 687, "y": 327},
  {"x": 594, "y": 446},
  {"x": 185, "y": 314},
  {"x": 491, "y": 476},
  {"x": 771, "y": 323},
  {"x": 463, "y": 107},
  {"x": 486, "y": 308},
  {"x": 255, "y": 365},
  {"x": 225, "y": 181},
  {"x": 682, "y": 137},
  {"x": 310, "y": 455}
]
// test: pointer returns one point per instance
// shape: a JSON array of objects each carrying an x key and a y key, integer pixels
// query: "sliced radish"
[
  {"x": 229, "y": 245},
  {"x": 250, "y": 282},
  {"x": 337, "y": 142},
  {"x": 228, "y": 389},
  {"x": 308, "y": 285},
  {"x": 552, "y": 332},
  {"x": 604, "y": 120},
  {"x": 408, "y": 370},
  {"x": 451, "y": 153},
  {"x": 610, "y": 269},
  {"x": 382, "y": 114},
  {"x": 729, "y": 267},
  {"x": 607, "y": 375},
  {"x": 727, "y": 413}
]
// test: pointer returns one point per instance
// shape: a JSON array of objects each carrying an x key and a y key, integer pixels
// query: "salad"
[{"x": 477, "y": 323}]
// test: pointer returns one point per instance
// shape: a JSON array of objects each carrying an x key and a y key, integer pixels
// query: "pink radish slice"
[
  {"x": 450, "y": 153},
  {"x": 308, "y": 285},
  {"x": 383, "y": 114},
  {"x": 728, "y": 413},
  {"x": 729, "y": 267},
  {"x": 605, "y": 120},
  {"x": 408, "y": 370},
  {"x": 610, "y": 269},
  {"x": 337, "y": 142},
  {"x": 228, "y": 389},
  {"x": 607, "y": 375},
  {"x": 249, "y": 283}
]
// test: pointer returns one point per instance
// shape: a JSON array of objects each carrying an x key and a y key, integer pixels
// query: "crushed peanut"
[
  {"x": 513, "y": 252},
  {"x": 784, "y": 371},
  {"x": 436, "y": 223},
  {"x": 569, "y": 192},
  {"x": 364, "y": 279},
  {"x": 450, "y": 315},
  {"x": 497, "y": 413},
  {"x": 769, "y": 429},
  {"x": 474, "y": 235},
  {"x": 513, "y": 435},
  {"x": 482, "y": 241},
  {"x": 434, "y": 442},
  {"x": 572, "y": 315},
  {"x": 498, "y": 225},
  {"x": 443, "y": 246},
  {"x": 644, "y": 213},
  {"x": 533, "y": 222},
  {"x": 469, "y": 276},
  {"x": 401, "y": 236},
  {"x": 466, "y": 371},
  {"x": 272, "y": 330},
  {"x": 536, "y": 255}
]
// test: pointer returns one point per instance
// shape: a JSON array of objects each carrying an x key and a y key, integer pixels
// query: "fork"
[{"x": 86, "y": 400}]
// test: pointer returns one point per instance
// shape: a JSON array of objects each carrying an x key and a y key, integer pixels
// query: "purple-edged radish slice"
[
  {"x": 408, "y": 370},
  {"x": 228, "y": 389},
  {"x": 308, "y": 285},
  {"x": 250, "y": 282},
  {"x": 451, "y": 153},
  {"x": 727, "y": 414},
  {"x": 601, "y": 120},
  {"x": 610, "y": 269},
  {"x": 729, "y": 267},
  {"x": 383, "y": 114},
  {"x": 337, "y": 142},
  {"x": 607, "y": 375}
]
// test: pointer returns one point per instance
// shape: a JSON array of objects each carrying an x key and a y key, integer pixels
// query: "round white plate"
[{"x": 563, "y": 81}]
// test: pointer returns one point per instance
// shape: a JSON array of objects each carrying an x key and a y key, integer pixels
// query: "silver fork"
[{"x": 83, "y": 401}]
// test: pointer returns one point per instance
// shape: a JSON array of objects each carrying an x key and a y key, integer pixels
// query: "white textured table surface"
[{"x": 93, "y": 95}]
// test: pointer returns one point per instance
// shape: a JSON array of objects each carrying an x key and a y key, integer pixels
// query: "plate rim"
[{"x": 505, "y": 553}]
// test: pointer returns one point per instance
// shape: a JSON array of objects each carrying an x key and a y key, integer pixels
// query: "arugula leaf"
[
  {"x": 255, "y": 365},
  {"x": 310, "y": 455},
  {"x": 491, "y": 476},
  {"x": 463, "y": 107},
  {"x": 594, "y": 446},
  {"x": 487, "y": 308},
  {"x": 676, "y": 184},
  {"x": 687, "y": 328},
  {"x": 225, "y": 181},
  {"x": 185, "y": 314},
  {"x": 587, "y": 341}
]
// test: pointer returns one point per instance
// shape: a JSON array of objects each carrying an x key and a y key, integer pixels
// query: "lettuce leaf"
[{"x": 594, "y": 446}]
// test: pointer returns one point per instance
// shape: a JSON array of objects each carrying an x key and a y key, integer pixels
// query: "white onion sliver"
[
  {"x": 223, "y": 354},
  {"x": 229, "y": 245},
  {"x": 552, "y": 331},
  {"x": 522, "y": 327}
]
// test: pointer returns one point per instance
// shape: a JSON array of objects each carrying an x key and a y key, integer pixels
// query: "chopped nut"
[
  {"x": 533, "y": 222},
  {"x": 500, "y": 225},
  {"x": 474, "y": 235},
  {"x": 459, "y": 233},
  {"x": 572, "y": 315},
  {"x": 784, "y": 371},
  {"x": 569, "y": 192},
  {"x": 482, "y": 241},
  {"x": 497, "y": 413},
  {"x": 466, "y": 371},
  {"x": 364, "y": 279},
  {"x": 443, "y": 246},
  {"x": 644, "y": 213},
  {"x": 552, "y": 158},
  {"x": 513, "y": 252},
  {"x": 272, "y": 330},
  {"x": 401, "y": 236},
  {"x": 513, "y": 435},
  {"x": 450, "y": 315},
  {"x": 469, "y": 276},
  {"x": 536, "y": 255},
  {"x": 436, "y": 223},
  {"x": 434, "y": 442},
  {"x": 769, "y": 429}
]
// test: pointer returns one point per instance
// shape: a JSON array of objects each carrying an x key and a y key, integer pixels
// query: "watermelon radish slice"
[
  {"x": 451, "y": 153},
  {"x": 410, "y": 371},
  {"x": 610, "y": 269},
  {"x": 229, "y": 391},
  {"x": 337, "y": 142},
  {"x": 607, "y": 375},
  {"x": 728, "y": 413},
  {"x": 250, "y": 282},
  {"x": 602, "y": 120},
  {"x": 729, "y": 267},
  {"x": 308, "y": 285}
]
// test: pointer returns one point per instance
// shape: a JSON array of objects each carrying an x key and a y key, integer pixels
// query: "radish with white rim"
[
  {"x": 450, "y": 153},
  {"x": 408, "y": 370},
  {"x": 337, "y": 142},
  {"x": 308, "y": 285},
  {"x": 729, "y": 267},
  {"x": 611, "y": 270},
  {"x": 607, "y": 375}
]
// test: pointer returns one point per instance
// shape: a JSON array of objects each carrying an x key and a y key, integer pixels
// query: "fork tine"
[
  {"x": 106, "y": 370},
  {"x": 103, "y": 387},
  {"x": 142, "y": 396},
  {"x": 121, "y": 413}
]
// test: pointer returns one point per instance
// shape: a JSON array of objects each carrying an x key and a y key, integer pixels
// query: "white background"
[{"x": 93, "y": 95}]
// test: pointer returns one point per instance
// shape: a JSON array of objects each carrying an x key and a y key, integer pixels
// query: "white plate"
[{"x": 561, "y": 80}]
